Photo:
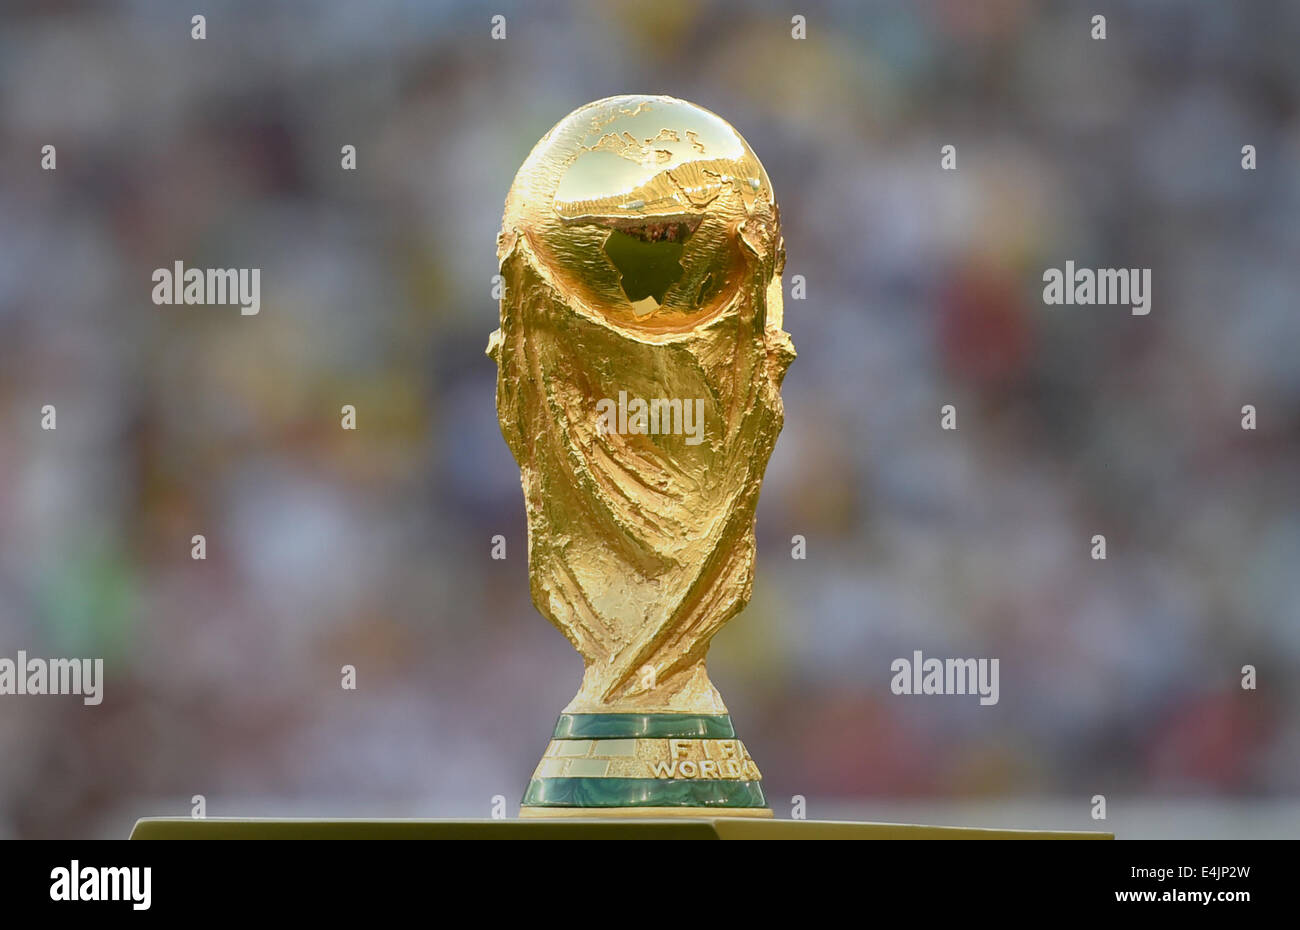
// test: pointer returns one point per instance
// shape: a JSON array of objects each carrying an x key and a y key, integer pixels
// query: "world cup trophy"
[{"x": 640, "y": 357}]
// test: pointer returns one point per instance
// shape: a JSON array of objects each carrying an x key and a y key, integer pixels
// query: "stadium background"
[{"x": 370, "y": 548}]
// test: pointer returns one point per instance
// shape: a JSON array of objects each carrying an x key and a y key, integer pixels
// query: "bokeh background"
[{"x": 371, "y": 548}]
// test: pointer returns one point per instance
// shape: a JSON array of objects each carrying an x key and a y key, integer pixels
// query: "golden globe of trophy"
[{"x": 640, "y": 356}]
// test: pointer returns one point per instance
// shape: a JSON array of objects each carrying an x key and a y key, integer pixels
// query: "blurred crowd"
[{"x": 371, "y": 547}]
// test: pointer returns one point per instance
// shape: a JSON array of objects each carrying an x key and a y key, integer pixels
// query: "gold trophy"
[{"x": 640, "y": 357}]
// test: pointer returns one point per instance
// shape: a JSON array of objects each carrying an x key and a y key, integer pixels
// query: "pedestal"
[{"x": 603, "y": 828}]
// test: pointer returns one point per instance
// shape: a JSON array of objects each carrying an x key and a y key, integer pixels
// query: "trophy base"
[
  {"x": 632, "y": 813},
  {"x": 645, "y": 765}
]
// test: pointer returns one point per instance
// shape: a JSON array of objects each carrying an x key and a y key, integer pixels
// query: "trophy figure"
[{"x": 640, "y": 357}]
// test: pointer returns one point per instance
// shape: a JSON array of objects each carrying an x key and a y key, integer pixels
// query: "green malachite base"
[
  {"x": 644, "y": 726},
  {"x": 589, "y": 732}
]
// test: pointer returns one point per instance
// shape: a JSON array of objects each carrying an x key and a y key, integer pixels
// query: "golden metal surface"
[
  {"x": 648, "y": 758},
  {"x": 641, "y": 254}
]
